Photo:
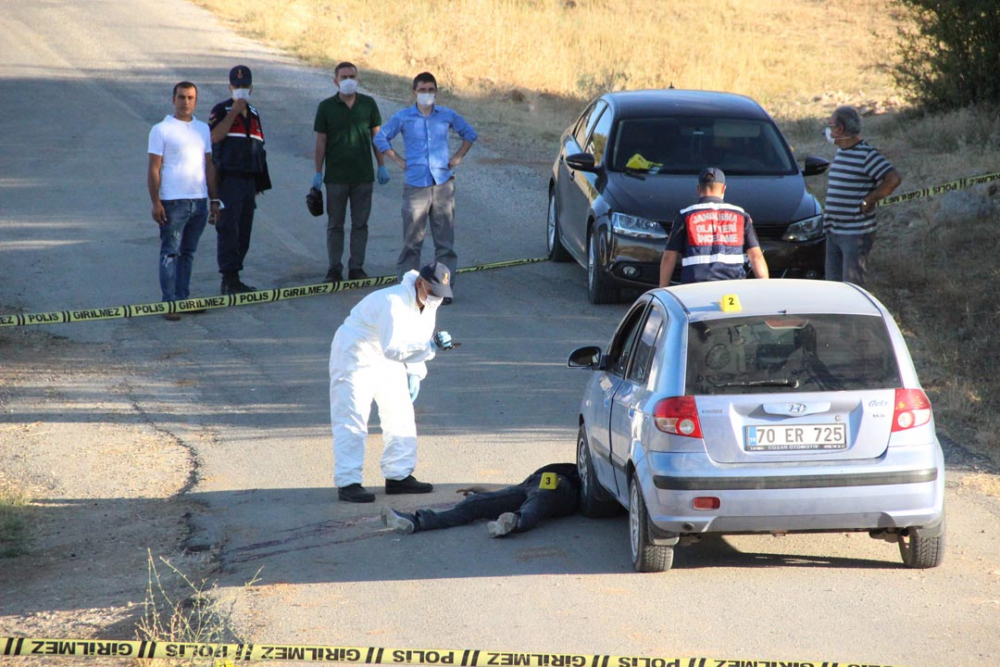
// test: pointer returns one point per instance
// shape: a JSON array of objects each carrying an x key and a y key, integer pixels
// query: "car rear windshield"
[
  {"x": 686, "y": 145},
  {"x": 790, "y": 353}
]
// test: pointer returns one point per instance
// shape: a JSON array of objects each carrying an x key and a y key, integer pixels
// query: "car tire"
[
  {"x": 557, "y": 251},
  {"x": 594, "y": 500},
  {"x": 923, "y": 548},
  {"x": 646, "y": 556},
  {"x": 599, "y": 288}
]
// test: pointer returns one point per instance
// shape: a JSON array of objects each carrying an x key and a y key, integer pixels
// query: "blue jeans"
[
  {"x": 530, "y": 503},
  {"x": 179, "y": 238},
  {"x": 847, "y": 257}
]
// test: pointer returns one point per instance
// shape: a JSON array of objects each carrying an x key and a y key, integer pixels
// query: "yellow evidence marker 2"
[{"x": 730, "y": 303}]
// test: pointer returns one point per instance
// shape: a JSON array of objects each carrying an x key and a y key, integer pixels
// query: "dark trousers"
[
  {"x": 338, "y": 195},
  {"x": 530, "y": 503},
  {"x": 235, "y": 222}
]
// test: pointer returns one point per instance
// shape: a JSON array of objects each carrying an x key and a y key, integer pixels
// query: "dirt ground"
[{"x": 104, "y": 484}]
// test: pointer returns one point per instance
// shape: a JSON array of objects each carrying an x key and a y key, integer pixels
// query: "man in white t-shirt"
[{"x": 181, "y": 178}]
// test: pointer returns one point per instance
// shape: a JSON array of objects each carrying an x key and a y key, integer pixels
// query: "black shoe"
[
  {"x": 333, "y": 277},
  {"x": 355, "y": 493},
  {"x": 356, "y": 274},
  {"x": 236, "y": 286},
  {"x": 408, "y": 485}
]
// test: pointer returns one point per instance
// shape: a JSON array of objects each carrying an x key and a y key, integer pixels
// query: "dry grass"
[
  {"x": 520, "y": 69},
  {"x": 579, "y": 48},
  {"x": 14, "y": 508}
]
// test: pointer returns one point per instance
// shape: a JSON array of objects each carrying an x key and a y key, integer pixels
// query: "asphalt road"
[{"x": 81, "y": 83}]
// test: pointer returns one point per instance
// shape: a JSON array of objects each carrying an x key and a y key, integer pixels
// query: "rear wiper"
[{"x": 794, "y": 384}]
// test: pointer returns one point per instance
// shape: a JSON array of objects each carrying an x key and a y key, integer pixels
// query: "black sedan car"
[{"x": 631, "y": 161}]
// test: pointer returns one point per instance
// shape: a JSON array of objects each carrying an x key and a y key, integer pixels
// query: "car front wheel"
[
  {"x": 922, "y": 548},
  {"x": 599, "y": 287},
  {"x": 594, "y": 502},
  {"x": 646, "y": 556},
  {"x": 557, "y": 251}
]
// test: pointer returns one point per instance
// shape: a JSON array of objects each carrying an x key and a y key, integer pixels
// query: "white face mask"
[
  {"x": 433, "y": 300},
  {"x": 348, "y": 86},
  {"x": 425, "y": 99},
  {"x": 829, "y": 136},
  {"x": 241, "y": 93}
]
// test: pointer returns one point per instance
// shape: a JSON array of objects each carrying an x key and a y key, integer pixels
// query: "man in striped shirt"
[{"x": 859, "y": 178}]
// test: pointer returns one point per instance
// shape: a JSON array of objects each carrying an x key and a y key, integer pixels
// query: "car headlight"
[
  {"x": 805, "y": 230},
  {"x": 631, "y": 225}
]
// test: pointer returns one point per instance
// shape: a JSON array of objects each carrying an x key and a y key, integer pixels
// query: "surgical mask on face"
[
  {"x": 241, "y": 93},
  {"x": 433, "y": 300},
  {"x": 349, "y": 86},
  {"x": 425, "y": 99},
  {"x": 829, "y": 136}
]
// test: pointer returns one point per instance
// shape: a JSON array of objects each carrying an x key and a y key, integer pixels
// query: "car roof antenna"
[{"x": 671, "y": 85}]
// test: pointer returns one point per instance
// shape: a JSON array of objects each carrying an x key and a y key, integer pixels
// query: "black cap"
[
  {"x": 240, "y": 76},
  {"x": 438, "y": 276},
  {"x": 711, "y": 175}
]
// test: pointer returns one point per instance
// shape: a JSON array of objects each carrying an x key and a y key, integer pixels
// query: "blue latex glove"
[
  {"x": 318, "y": 180},
  {"x": 443, "y": 340},
  {"x": 383, "y": 175},
  {"x": 414, "y": 383}
]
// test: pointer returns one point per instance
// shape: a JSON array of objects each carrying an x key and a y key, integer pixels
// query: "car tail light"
[
  {"x": 912, "y": 409},
  {"x": 678, "y": 416},
  {"x": 706, "y": 503}
]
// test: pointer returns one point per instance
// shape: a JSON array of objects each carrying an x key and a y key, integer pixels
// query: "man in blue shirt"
[{"x": 429, "y": 190}]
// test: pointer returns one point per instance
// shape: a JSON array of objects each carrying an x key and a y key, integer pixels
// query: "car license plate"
[{"x": 797, "y": 437}]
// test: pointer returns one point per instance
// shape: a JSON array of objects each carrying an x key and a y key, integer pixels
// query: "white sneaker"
[
  {"x": 504, "y": 524},
  {"x": 400, "y": 524}
]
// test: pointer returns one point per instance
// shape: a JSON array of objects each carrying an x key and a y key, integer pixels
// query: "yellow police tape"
[
  {"x": 960, "y": 184},
  {"x": 227, "y": 655},
  {"x": 227, "y": 301}
]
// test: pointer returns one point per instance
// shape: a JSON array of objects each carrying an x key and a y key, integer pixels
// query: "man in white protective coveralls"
[{"x": 379, "y": 353}]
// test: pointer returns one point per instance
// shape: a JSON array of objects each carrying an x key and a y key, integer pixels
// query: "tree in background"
[{"x": 952, "y": 54}]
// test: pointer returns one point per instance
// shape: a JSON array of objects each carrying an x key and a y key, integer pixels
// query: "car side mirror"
[
  {"x": 815, "y": 166},
  {"x": 585, "y": 357},
  {"x": 581, "y": 162}
]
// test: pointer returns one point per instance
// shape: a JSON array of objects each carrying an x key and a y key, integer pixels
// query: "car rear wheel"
[
  {"x": 557, "y": 251},
  {"x": 599, "y": 287},
  {"x": 646, "y": 556},
  {"x": 594, "y": 501},
  {"x": 922, "y": 548}
]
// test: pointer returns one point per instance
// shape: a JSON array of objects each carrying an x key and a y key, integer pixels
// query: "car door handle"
[{"x": 631, "y": 411}]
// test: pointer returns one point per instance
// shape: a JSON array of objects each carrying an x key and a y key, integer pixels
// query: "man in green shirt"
[{"x": 345, "y": 126}]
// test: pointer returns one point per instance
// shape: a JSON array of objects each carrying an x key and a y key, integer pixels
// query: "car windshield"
[
  {"x": 686, "y": 145},
  {"x": 790, "y": 353}
]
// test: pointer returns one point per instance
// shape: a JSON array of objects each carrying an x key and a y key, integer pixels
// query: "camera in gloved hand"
[{"x": 443, "y": 341}]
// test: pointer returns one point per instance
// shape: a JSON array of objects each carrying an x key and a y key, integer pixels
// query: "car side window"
[
  {"x": 645, "y": 349},
  {"x": 580, "y": 131},
  {"x": 583, "y": 130},
  {"x": 599, "y": 137},
  {"x": 620, "y": 350}
]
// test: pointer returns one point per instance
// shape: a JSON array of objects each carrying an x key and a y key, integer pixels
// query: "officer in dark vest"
[
  {"x": 241, "y": 165},
  {"x": 711, "y": 237}
]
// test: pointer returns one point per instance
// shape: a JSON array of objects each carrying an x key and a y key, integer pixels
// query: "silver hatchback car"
[{"x": 760, "y": 406}]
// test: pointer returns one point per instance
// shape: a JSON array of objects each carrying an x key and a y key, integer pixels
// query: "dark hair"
[
  {"x": 424, "y": 77},
  {"x": 849, "y": 119},
  {"x": 343, "y": 65},
  {"x": 185, "y": 84}
]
